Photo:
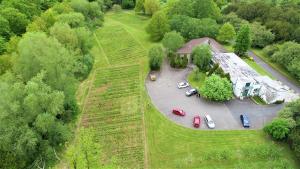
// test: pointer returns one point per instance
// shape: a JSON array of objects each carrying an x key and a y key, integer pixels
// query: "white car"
[
  {"x": 183, "y": 85},
  {"x": 210, "y": 123}
]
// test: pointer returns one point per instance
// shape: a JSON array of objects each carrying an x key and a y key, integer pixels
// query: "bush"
[
  {"x": 155, "y": 57},
  {"x": 217, "y": 89},
  {"x": 179, "y": 62},
  {"x": 172, "y": 41},
  {"x": 270, "y": 50},
  {"x": 116, "y": 8},
  {"x": 127, "y": 4},
  {"x": 278, "y": 129}
]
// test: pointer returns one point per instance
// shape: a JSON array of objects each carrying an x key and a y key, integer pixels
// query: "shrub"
[
  {"x": 158, "y": 26},
  {"x": 179, "y": 62},
  {"x": 155, "y": 57},
  {"x": 217, "y": 89},
  {"x": 226, "y": 33},
  {"x": 172, "y": 41},
  {"x": 116, "y": 8},
  {"x": 278, "y": 129},
  {"x": 127, "y": 4},
  {"x": 243, "y": 41},
  {"x": 270, "y": 50}
]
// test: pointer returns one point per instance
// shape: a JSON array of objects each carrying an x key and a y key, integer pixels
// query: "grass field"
[{"x": 115, "y": 102}]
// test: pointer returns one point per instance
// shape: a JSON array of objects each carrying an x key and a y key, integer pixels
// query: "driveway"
[{"x": 165, "y": 96}]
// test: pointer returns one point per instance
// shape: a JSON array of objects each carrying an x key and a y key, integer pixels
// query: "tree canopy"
[
  {"x": 243, "y": 41},
  {"x": 158, "y": 26},
  {"x": 202, "y": 57},
  {"x": 172, "y": 41},
  {"x": 226, "y": 33},
  {"x": 155, "y": 56}
]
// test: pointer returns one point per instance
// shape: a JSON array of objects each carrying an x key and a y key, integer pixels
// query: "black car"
[
  {"x": 191, "y": 92},
  {"x": 245, "y": 121}
]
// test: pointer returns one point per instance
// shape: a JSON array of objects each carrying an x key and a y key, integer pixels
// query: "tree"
[
  {"x": 206, "y": 9},
  {"x": 158, "y": 26},
  {"x": 127, "y": 4},
  {"x": 226, "y": 33},
  {"x": 2, "y": 45},
  {"x": 278, "y": 129},
  {"x": 5, "y": 63},
  {"x": 288, "y": 56},
  {"x": 172, "y": 41},
  {"x": 243, "y": 41},
  {"x": 30, "y": 127},
  {"x": 139, "y": 6},
  {"x": 17, "y": 20},
  {"x": 234, "y": 20},
  {"x": 4, "y": 28},
  {"x": 151, "y": 6},
  {"x": 65, "y": 35},
  {"x": 182, "y": 7},
  {"x": 260, "y": 35},
  {"x": 74, "y": 19},
  {"x": 202, "y": 57},
  {"x": 155, "y": 56},
  {"x": 217, "y": 89}
]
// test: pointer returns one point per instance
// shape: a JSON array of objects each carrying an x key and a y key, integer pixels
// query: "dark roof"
[{"x": 188, "y": 47}]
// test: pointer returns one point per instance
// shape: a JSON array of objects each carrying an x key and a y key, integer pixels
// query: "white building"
[{"x": 247, "y": 82}]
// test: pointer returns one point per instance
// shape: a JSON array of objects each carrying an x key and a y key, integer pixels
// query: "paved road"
[
  {"x": 165, "y": 96},
  {"x": 275, "y": 73}
]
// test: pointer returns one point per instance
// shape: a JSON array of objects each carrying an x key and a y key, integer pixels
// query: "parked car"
[
  {"x": 178, "y": 112},
  {"x": 245, "y": 120},
  {"x": 210, "y": 123},
  {"x": 197, "y": 121},
  {"x": 183, "y": 85},
  {"x": 191, "y": 92}
]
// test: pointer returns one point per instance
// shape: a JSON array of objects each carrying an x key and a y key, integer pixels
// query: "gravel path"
[{"x": 165, "y": 96}]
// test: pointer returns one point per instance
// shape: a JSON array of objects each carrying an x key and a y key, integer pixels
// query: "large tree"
[
  {"x": 206, "y": 9},
  {"x": 172, "y": 41},
  {"x": 17, "y": 20},
  {"x": 243, "y": 41},
  {"x": 151, "y": 6},
  {"x": 158, "y": 26},
  {"x": 217, "y": 89},
  {"x": 31, "y": 130},
  {"x": 260, "y": 35},
  {"x": 202, "y": 57},
  {"x": 226, "y": 33}
]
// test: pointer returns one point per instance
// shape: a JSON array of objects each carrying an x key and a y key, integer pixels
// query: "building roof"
[{"x": 188, "y": 47}]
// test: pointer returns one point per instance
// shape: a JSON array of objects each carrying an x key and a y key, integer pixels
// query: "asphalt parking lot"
[{"x": 165, "y": 96}]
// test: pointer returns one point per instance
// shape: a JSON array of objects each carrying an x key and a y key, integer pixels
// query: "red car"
[
  {"x": 197, "y": 121},
  {"x": 178, "y": 112}
]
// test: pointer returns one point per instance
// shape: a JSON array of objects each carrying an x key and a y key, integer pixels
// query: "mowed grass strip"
[{"x": 114, "y": 111}]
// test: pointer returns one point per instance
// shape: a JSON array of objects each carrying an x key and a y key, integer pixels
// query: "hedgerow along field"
[{"x": 118, "y": 106}]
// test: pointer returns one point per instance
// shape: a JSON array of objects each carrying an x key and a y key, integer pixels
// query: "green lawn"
[
  {"x": 134, "y": 133},
  {"x": 197, "y": 82}
]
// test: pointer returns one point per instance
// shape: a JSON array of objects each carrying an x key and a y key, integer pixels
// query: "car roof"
[{"x": 208, "y": 117}]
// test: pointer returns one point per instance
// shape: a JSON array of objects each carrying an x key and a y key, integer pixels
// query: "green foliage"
[
  {"x": 226, "y": 33},
  {"x": 172, "y": 41},
  {"x": 288, "y": 56},
  {"x": 155, "y": 56},
  {"x": 116, "y": 8},
  {"x": 243, "y": 41},
  {"x": 5, "y": 63},
  {"x": 74, "y": 19},
  {"x": 151, "y": 6},
  {"x": 17, "y": 20},
  {"x": 178, "y": 61},
  {"x": 217, "y": 89},
  {"x": 139, "y": 6},
  {"x": 270, "y": 50},
  {"x": 127, "y": 4},
  {"x": 158, "y": 26},
  {"x": 260, "y": 35},
  {"x": 234, "y": 20},
  {"x": 30, "y": 127},
  {"x": 278, "y": 129},
  {"x": 202, "y": 57},
  {"x": 4, "y": 28},
  {"x": 195, "y": 8},
  {"x": 2, "y": 45},
  {"x": 191, "y": 28}
]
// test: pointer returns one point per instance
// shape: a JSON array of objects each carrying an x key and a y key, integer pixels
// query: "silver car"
[
  {"x": 183, "y": 85},
  {"x": 210, "y": 123}
]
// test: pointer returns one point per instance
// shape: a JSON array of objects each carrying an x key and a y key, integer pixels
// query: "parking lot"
[{"x": 165, "y": 96}]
